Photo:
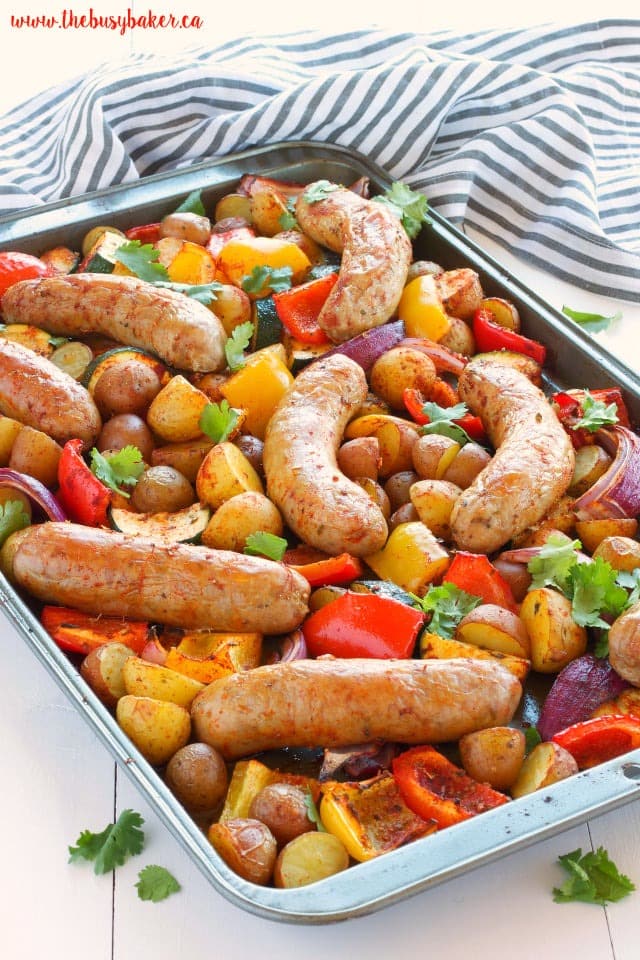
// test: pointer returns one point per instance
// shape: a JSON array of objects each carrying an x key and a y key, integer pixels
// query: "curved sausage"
[
  {"x": 102, "y": 571},
  {"x": 532, "y": 466},
  {"x": 177, "y": 328},
  {"x": 624, "y": 645},
  {"x": 319, "y": 503},
  {"x": 376, "y": 253},
  {"x": 334, "y": 703},
  {"x": 37, "y": 393}
]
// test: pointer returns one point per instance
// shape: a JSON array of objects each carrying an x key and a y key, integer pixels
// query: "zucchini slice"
[
  {"x": 268, "y": 326},
  {"x": 120, "y": 355},
  {"x": 299, "y": 354},
  {"x": 101, "y": 256},
  {"x": 34, "y": 338},
  {"x": 183, "y": 526},
  {"x": 383, "y": 588}
]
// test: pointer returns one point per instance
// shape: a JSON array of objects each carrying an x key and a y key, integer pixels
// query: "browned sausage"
[
  {"x": 333, "y": 703},
  {"x": 318, "y": 502},
  {"x": 102, "y": 571},
  {"x": 175, "y": 327},
  {"x": 376, "y": 253},
  {"x": 531, "y": 469},
  {"x": 37, "y": 393}
]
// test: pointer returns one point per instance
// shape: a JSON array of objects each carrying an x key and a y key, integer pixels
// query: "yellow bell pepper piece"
[
  {"x": 421, "y": 309},
  {"x": 238, "y": 258},
  {"x": 192, "y": 264},
  {"x": 412, "y": 558},
  {"x": 258, "y": 387},
  {"x": 249, "y": 777},
  {"x": 370, "y": 818},
  {"x": 207, "y": 656}
]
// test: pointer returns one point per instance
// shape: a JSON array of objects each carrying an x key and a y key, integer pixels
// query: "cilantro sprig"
[
  {"x": 236, "y": 345},
  {"x": 320, "y": 190},
  {"x": 13, "y": 517},
  {"x": 446, "y": 605},
  {"x": 218, "y": 420},
  {"x": 118, "y": 469},
  {"x": 142, "y": 260},
  {"x": 192, "y": 204},
  {"x": 411, "y": 207},
  {"x": 593, "y": 878},
  {"x": 204, "y": 293},
  {"x": 264, "y": 279},
  {"x": 591, "y": 322},
  {"x": 441, "y": 420},
  {"x": 287, "y": 219},
  {"x": 263, "y": 544},
  {"x": 312, "y": 812},
  {"x": 531, "y": 739},
  {"x": 156, "y": 883},
  {"x": 113, "y": 846},
  {"x": 596, "y": 413}
]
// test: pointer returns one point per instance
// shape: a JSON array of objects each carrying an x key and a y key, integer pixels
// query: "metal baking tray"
[{"x": 573, "y": 359}]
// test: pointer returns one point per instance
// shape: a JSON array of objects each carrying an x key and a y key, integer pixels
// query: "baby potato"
[
  {"x": 144, "y": 679},
  {"x": 421, "y": 268},
  {"x": 157, "y": 727},
  {"x": 126, "y": 387},
  {"x": 593, "y": 532},
  {"x": 398, "y": 487},
  {"x": 591, "y": 462},
  {"x": 466, "y": 465},
  {"x": 459, "y": 338},
  {"x": 125, "y": 429},
  {"x": 253, "y": 449},
  {"x": 546, "y": 764},
  {"x": 396, "y": 445},
  {"x": 434, "y": 500},
  {"x": 224, "y": 473},
  {"x": 432, "y": 455},
  {"x": 162, "y": 490},
  {"x": 240, "y": 516},
  {"x": 360, "y": 458},
  {"x": 460, "y": 292},
  {"x": 283, "y": 808},
  {"x": 37, "y": 454},
  {"x": 493, "y": 755},
  {"x": 197, "y": 775},
  {"x": 186, "y": 226},
  {"x": 622, "y": 553},
  {"x": 407, "y": 513},
  {"x": 377, "y": 494},
  {"x": 232, "y": 306},
  {"x": 9, "y": 430},
  {"x": 309, "y": 858},
  {"x": 398, "y": 368},
  {"x": 185, "y": 457},
  {"x": 247, "y": 846},
  {"x": 102, "y": 669},
  {"x": 556, "y": 639},
  {"x": 495, "y": 628},
  {"x": 624, "y": 645},
  {"x": 175, "y": 412}
]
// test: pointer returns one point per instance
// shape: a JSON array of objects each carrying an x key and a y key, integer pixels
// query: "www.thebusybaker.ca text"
[{"x": 70, "y": 20}]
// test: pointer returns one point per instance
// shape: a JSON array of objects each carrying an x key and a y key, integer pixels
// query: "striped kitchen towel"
[{"x": 532, "y": 136}]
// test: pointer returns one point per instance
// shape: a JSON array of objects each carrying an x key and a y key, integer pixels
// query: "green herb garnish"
[
  {"x": 591, "y": 322},
  {"x": 115, "y": 469},
  {"x": 263, "y": 279},
  {"x": 441, "y": 421},
  {"x": 218, "y": 420},
  {"x": 446, "y": 605},
  {"x": 236, "y": 344},
  {"x": 409, "y": 206},
  {"x": 113, "y": 846},
  {"x": 593, "y": 878},
  {"x": 192, "y": 204},
  {"x": 596, "y": 414},
  {"x": 263, "y": 544},
  {"x": 13, "y": 517},
  {"x": 156, "y": 883},
  {"x": 204, "y": 293},
  {"x": 320, "y": 190},
  {"x": 142, "y": 260}
]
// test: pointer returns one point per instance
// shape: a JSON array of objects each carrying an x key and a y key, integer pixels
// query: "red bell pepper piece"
[
  {"x": 83, "y": 497},
  {"x": 595, "y": 741},
  {"x": 475, "y": 574},
  {"x": 363, "y": 625},
  {"x": 20, "y": 266},
  {"x": 79, "y": 632},
  {"x": 436, "y": 789},
  {"x": 341, "y": 569},
  {"x": 299, "y": 307},
  {"x": 489, "y": 335},
  {"x": 414, "y": 402},
  {"x": 145, "y": 233}
]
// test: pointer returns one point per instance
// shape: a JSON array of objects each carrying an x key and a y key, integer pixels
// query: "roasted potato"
[
  {"x": 144, "y": 679},
  {"x": 175, "y": 412},
  {"x": 398, "y": 488},
  {"x": 399, "y": 368},
  {"x": 493, "y": 755},
  {"x": 240, "y": 516},
  {"x": 622, "y": 553},
  {"x": 162, "y": 490},
  {"x": 546, "y": 764},
  {"x": 309, "y": 858},
  {"x": 360, "y": 458},
  {"x": 495, "y": 628},
  {"x": 593, "y": 532},
  {"x": 198, "y": 777},
  {"x": 127, "y": 429},
  {"x": 283, "y": 808},
  {"x": 247, "y": 846},
  {"x": 103, "y": 668},
  {"x": 556, "y": 639},
  {"x": 466, "y": 465},
  {"x": 157, "y": 727},
  {"x": 434, "y": 500},
  {"x": 432, "y": 455},
  {"x": 35, "y": 453}
]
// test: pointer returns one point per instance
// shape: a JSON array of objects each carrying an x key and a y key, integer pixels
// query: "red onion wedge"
[
  {"x": 36, "y": 491},
  {"x": 291, "y": 646},
  {"x": 154, "y": 652},
  {"x": 617, "y": 492},
  {"x": 444, "y": 360},
  {"x": 577, "y": 691},
  {"x": 367, "y": 347},
  {"x": 358, "y": 762}
]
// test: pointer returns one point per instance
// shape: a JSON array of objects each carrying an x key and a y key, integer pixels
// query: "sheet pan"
[{"x": 574, "y": 359}]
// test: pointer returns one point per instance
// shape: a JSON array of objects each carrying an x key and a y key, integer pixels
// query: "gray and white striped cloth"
[{"x": 532, "y": 136}]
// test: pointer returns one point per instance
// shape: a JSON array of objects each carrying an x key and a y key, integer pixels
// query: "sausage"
[
  {"x": 531, "y": 469},
  {"x": 177, "y": 328},
  {"x": 624, "y": 645},
  {"x": 318, "y": 502},
  {"x": 103, "y": 571},
  {"x": 334, "y": 703},
  {"x": 376, "y": 254},
  {"x": 37, "y": 393}
]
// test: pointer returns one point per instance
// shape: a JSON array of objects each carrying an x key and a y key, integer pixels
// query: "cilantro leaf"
[
  {"x": 630, "y": 580},
  {"x": 593, "y": 878},
  {"x": 287, "y": 219},
  {"x": 595, "y": 591},
  {"x": 447, "y": 605},
  {"x": 204, "y": 293},
  {"x": 217, "y": 420},
  {"x": 552, "y": 566},
  {"x": 13, "y": 517},
  {"x": 263, "y": 544},
  {"x": 116, "y": 469},
  {"x": 601, "y": 648},
  {"x": 441, "y": 421},
  {"x": 236, "y": 344},
  {"x": 596, "y": 414},
  {"x": 113, "y": 846},
  {"x": 156, "y": 883},
  {"x": 320, "y": 190},
  {"x": 142, "y": 260},
  {"x": 591, "y": 322},
  {"x": 531, "y": 739},
  {"x": 312, "y": 812},
  {"x": 411, "y": 207},
  {"x": 263, "y": 279},
  {"x": 192, "y": 204}
]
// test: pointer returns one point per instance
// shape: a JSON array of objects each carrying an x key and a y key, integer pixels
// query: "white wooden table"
[{"x": 58, "y": 780}]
